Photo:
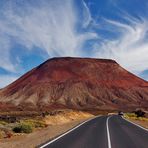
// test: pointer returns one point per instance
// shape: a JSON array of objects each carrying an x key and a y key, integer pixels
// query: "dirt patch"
[
  {"x": 140, "y": 122},
  {"x": 34, "y": 139},
  {"x": 66, "y": 117},
  {"x": 58, "y": 124}
]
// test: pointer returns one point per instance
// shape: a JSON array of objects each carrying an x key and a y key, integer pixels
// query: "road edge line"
[
  {"x": 135, "y": 124},
  {"x": 48, "y": 143},
  {"x": 108, "y": 133}
]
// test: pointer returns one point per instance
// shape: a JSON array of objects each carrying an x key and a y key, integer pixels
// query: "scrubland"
[
  {"x": 143, "y": 121},
  {"x": 29, "y": 132}
]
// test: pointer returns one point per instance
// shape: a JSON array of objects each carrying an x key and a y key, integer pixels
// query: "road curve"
[{"x": 103, "y": 132}]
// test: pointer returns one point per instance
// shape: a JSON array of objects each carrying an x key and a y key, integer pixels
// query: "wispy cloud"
[
  {"x": 58, "y": 29},
  {"x": 130, "y": 48},
  {"x": 48, "y": 25},
  {"x": 86, "y": 14},
  {"x": 5, "y": 53},
  {"x": 6, "y": 79},
  {"x": 51, "y": 26}
]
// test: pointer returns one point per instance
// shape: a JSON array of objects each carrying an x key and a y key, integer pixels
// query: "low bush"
[
  {"x": 23, "y": 128},
  {"x": 140, "y": 113},
  {"x": 133, "y": 115},
  {"x": 3, "y": 122},
  {"x": 34, "y": 123},
  {"x": 143, "y": 118}
]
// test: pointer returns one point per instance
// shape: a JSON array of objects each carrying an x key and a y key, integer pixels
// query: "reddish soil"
[{"x": 78, "y": 83}]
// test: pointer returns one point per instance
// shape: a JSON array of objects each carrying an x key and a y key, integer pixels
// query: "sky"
[{"x": 32, "y": 31}]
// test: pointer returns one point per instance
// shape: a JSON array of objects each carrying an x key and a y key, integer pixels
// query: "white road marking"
[
  {"x": 135, "y": 124},
  {"x": 108, "y": 134},
  {"x": 66, "y": 133}
]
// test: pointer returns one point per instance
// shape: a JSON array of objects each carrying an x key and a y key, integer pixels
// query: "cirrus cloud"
[
  {"x": 57, "y": 28},
  {"x": 130, "y": 47},
  {"x": 48, "y": 25}
]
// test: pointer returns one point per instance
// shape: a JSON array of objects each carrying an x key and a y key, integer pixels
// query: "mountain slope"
[{"x": 80, "y": 83}]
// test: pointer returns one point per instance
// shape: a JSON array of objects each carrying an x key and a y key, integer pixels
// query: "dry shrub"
[
  {"x": 23, "y": 128},
  {"x": 35, "y": 123},
  {"x": 2, "y": 134},
  {"x": 3, "y": 122}
]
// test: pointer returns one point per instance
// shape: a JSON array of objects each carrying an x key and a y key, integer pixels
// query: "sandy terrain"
[
  {"x": 66, "y": 117},
  {"x": 140, "y": 122},
  {"x": 58, "y": 124}
]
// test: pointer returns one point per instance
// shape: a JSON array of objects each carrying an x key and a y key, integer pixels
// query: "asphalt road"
[{"x": 102, "y": 132}]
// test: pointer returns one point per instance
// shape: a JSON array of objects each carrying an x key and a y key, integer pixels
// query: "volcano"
[{"x": 76, "y": 83}]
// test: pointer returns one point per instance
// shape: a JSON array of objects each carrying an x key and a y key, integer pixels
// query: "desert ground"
[{"x": 55, "y": 124}]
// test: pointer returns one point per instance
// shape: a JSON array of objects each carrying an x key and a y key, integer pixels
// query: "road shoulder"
[{"x": 41, "y": 136}]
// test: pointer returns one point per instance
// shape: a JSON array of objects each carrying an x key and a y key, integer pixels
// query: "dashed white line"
[
  {"x": 135, "y": 124},
  {"x": 43, "y": 146},
  {"x": 108, "y": 134}
]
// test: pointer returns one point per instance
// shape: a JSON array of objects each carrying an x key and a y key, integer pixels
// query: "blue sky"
[{"x": 33, "y": 31}]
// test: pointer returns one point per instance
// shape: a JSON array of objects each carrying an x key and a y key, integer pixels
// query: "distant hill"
[{"x": 79, "y": 83}]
